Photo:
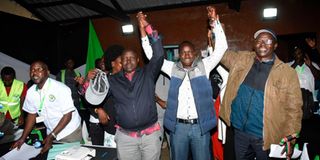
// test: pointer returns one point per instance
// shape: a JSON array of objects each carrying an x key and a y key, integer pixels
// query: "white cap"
[
  {"x": 98, "y": 89},
  {"x": 265, "y": 31}
]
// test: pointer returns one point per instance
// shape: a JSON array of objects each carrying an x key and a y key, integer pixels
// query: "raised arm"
[
  {"x": 220, "y": 41},
  {"x": 144, "y": 26}
]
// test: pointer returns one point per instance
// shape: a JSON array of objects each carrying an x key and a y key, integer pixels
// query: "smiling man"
[
  {"x": 132, "y": 90},
  {"x": 189, "y": 114},
  {"x": 263, "y": 100},
  {"x": 50, "y": 102}
]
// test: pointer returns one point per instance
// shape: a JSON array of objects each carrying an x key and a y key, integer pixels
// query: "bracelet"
[{"x": 54, "y": 135}]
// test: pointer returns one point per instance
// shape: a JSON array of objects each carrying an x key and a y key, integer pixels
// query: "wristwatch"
[{"x": 54, "y": 135}]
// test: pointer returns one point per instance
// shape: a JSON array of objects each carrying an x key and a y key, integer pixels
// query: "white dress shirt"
[
  {"x": 306, "y": 78},
  {"x": 186, "y": 103},
  {"x": 57, "y": 101}
]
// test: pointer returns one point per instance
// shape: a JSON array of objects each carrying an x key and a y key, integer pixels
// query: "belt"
[
  {"x": 135, "y": 134},
  {"x": 187, "y": 121}
]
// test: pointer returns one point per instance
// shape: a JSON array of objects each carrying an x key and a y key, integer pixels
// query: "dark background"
[{"x": 29, "y": 40}]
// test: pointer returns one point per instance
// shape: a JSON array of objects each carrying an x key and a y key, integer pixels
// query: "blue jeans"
[
  {"x": 188, "y": 137},
  {"x": 248, "y": 147}
]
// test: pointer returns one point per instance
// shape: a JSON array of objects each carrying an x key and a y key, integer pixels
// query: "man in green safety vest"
[
  {"x": 12, "y": 95},
  {"x": 69, "y": 77}
]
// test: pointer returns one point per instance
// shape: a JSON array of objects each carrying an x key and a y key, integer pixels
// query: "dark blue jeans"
[
  {"x": 188, "y": 137},
  {"x": 248, "y": 147}
]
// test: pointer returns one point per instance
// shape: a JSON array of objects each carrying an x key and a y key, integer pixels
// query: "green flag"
[{"x": 94, "y": 48}]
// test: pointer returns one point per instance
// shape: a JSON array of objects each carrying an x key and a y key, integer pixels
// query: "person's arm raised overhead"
[
  {"x": 220, "y": 40},
  {"x": 145, "y": 31}
]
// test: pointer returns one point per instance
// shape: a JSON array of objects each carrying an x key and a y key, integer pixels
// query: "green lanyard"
[
  {"x": 42, "y": 99},
  {"x": 299, "y": 69}
]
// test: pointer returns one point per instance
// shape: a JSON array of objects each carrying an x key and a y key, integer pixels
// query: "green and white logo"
[{"x": 52, "y": 98}]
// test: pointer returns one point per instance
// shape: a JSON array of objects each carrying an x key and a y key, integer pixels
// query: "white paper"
[
  {"x": 305, "y": 155},
  {"x": 25, "y": 152},
  {"x": 85, "y": 134},
  {"x": 222, "y": 131},
  {"x": 76, "y": 153},
  {"x": 276, "y": 149},
  {"x": 108, "y": 138}
]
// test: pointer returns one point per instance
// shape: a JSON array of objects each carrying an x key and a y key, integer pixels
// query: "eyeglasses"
[{"x": 265, "y": 41}]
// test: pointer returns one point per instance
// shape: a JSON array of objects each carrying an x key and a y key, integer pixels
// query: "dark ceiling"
[{"x": 62, "y": 11}]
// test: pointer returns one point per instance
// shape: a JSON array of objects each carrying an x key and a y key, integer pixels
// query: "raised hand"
[
  {"x": 142, "y": 20},
  {"x": 212, "y": 15}
]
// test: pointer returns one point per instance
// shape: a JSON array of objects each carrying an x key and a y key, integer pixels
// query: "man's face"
[
  {"x": 187, "y": 55},
  {"x": 39, "y": 73},
  {"x": 129, "y": 61},
  {"x": 101, "y": 64},
  {"x": 116, "y": 65},
  {"x": 298, "y": 55},
  {"x": 265, "y": 45},
  {"x": 69, "y": 64},
  {"x": 7, "y": 80}
]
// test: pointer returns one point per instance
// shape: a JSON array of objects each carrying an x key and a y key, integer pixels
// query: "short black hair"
[
  {"x": 111, "y": 54},
  {"x": 42, "y": 63},
  {"x": 96, "y": 62},
  {"x": 8, "y": 71},
  {"x": 186, "y": 43}
]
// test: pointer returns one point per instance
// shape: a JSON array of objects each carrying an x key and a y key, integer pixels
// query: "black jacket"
[{"x": 134, "y": 101}]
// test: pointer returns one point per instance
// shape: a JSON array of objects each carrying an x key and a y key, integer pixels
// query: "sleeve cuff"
[
  {"x": 144, "y": 39},
  {"x": 69, "y": 110},
  {"x": 29, "y": 111}
]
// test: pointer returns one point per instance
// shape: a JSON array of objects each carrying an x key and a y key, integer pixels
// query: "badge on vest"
[{"x": 17, "y": 96}]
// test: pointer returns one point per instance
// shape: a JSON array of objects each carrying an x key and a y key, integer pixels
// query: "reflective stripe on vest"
[
  {"x": 11, "y": 103},
  {"x": 63, "y": 75}
]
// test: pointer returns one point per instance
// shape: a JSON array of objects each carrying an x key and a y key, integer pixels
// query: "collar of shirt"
[
  {"x": 129, "y": 76},
  {"x": 269, "y": 61},
  {"x": 44, "y": 87}
]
